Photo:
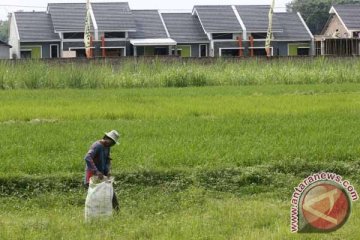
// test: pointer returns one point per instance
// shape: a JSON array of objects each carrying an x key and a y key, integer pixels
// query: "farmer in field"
[{"x": 98, "y": 161}]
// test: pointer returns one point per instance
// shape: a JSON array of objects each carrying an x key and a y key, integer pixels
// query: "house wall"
[
  {"x": 235, "y": 45},
  {"x": 4, "y": 52},
  {"x": 97, "y": 46},
  {"x": 14, "y": 38},
  {"x": 293, "y": 48},
  {"x": 279, "y": 48},
  {"x": 185, "y": 50},
  {"x": 68, "y": 45},
  {"x": 224, "y": 44},
  {"x": 195, "y": 47},
  {"x": 334, "y": 24},
  {"x": 45, "y": 48}
]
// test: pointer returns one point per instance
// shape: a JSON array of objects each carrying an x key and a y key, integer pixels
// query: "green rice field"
[{"x": 216, "y": 160}]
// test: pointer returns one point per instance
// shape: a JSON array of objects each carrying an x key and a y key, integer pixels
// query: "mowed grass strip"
[
  {"x": 158, "y": 213},
  {"x": 49, "y": 131}
]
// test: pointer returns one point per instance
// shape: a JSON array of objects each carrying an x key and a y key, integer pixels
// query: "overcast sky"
[{"x": 7, "y": 6}]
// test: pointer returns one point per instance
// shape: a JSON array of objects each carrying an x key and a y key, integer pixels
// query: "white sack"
[{"x": 99, "y": 198}]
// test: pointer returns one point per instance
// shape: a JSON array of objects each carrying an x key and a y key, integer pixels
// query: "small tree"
[
  {"x": 4, "y": 31},
  {"x": 315, "y": 12}
]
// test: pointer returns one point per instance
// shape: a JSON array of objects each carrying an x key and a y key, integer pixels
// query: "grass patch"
[{"x": 158, "y": 213}]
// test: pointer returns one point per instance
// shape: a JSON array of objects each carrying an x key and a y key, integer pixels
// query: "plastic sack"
[{"x": 99, "y": 198}]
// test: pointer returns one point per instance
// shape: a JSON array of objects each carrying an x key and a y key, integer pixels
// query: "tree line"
[{"x": 4, "y": 31}]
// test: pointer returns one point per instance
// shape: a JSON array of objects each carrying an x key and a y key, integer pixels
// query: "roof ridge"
[{"x": 31, "y": 12}]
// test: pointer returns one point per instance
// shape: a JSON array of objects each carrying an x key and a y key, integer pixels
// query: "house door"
[
  {"x": 54, "y": 51},
  {"x": 203, "y": 50}
]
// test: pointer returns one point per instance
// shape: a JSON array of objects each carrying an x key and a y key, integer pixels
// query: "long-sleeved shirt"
[{"x": 97, "y": 159}]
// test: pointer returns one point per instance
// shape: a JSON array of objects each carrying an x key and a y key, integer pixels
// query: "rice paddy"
[{"x": 213, "y": 162}]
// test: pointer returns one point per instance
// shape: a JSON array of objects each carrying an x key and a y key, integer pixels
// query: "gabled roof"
[
  {"x": 148, "y": 25},
  {"x": 35, "y": 26},
  {"x": 293, "y": 27},
  {"x": 218, "y": 19},
  {"x": 350, "y": 15},
  {"x": 256, "y": 18},
  {"x": 113, "y": 16},
  {"x": 184, "y": 27},
  {"x": 68, "y": 17}
]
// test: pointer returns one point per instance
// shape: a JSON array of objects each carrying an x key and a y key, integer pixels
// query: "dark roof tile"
[
  {"x": 218, "y": 19},
  {"x": 256, "y": 18},
  {"x": 350, "y": 14},
  {"x": 184, "y": 27},
  {"x": 148, "y": 25},
  {"x": 293, "y": 28},
  {"x": 35, "y": 26},
  {"x": 68, "y": 17},
  {"x": 113, "y": 16}
]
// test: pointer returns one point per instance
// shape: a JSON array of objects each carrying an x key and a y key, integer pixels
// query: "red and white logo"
[
  {"x": 321, "y": 203},
  {"x": 325, "y": 207}
]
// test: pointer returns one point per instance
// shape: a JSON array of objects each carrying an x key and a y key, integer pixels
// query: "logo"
[{"x": 321, "y": 203}]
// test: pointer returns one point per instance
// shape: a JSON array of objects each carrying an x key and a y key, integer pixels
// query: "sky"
[{"x": 7, "y": 6}]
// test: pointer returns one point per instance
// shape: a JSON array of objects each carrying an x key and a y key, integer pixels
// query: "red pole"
[
  {"x": 91, "y": 47},
  {"x": 241, "y": 52},
  {"x": 252, "y": 46},
  {"x": 103, "y": 46}
]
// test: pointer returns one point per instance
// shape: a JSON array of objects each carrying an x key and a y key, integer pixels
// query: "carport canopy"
[{"x": 153, "y": 42}]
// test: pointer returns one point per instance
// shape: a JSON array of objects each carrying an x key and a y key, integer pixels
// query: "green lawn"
[{"x": 193, "y": 163}]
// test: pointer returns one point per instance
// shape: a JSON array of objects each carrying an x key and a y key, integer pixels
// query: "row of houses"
[{"x": 207, "y": 31}]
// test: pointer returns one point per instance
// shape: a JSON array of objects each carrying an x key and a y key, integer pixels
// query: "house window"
[
  {"x": 203, "y": 50},
  {"x": 259, "y": 35},
  {"x": 80, "y": 52},
  {"x": 229, "y": 52},
  {"x": 161, "y": 51},
  {"x": 25, "y": 54},
  {"x": 33, "y": 52},
  {"x": 299, "y": 49},
  {"x": 182, "y": 50},
  {"x": 222, "y": 36},
  {"x": 75, "y": 35},
  {"x": 54, "y": 51},
  {"x": 356, "y": 34},
  {"x": 178, "y": 52},
  {"x": 115, "y": 52},
  {"x": 114, "y": 35},
  {"x": 151, "y": 51},
  {"x": 303, "y": 51},
  {"x": 260, "y": 52}
]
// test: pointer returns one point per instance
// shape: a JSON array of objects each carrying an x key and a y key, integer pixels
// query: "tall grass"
[{"x": 155, "y": 72}]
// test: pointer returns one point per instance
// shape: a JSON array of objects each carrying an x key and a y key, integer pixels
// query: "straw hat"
[{"x": 113, "y": 135}]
